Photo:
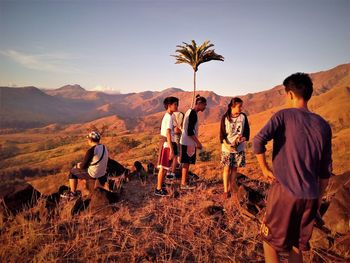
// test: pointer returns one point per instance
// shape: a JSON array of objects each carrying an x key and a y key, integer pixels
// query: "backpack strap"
[{"x": 103, "y": 153}]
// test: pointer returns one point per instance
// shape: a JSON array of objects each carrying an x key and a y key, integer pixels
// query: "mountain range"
[{"x": 30, "y": 107}]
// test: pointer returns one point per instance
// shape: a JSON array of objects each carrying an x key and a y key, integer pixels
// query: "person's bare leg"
[
  {"x": 225, "y": 178},
  {"x": 160, "y": 178},
  {"x": 89, "y": 185},
  {"x": 98, "y": 184},
  {"x": 271, "y": 255},
  {"x": 73, "y": 183},
  {"x": 185, "y": 168},
  {"x": 233, "y": 180},
  {"x": 173, "y": 165},
  {"x": 295, "y": 256}
]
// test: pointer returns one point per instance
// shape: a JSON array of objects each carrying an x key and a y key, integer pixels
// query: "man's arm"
[
  {"x": 259, "y": 142},
  {"x": 267, "y": 172},
  {"x": 87, "y": 159},
  {"x": 198, "y": 143}
]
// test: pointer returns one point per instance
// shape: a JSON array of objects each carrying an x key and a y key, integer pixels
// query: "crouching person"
[{"x": 92, "y": 169}]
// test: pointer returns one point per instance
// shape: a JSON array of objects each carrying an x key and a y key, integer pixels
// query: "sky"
[{"x": 126, "y": 46}]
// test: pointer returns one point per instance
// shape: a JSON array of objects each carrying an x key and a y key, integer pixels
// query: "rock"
[
  {"x": 320, "y": 239},
  {"x": 18, "y": 196},
  {"x": 100, "y": 201},
  {"x": 68, "y": 208},
  {"x": 342, "y": 246},
  {"x": 337, "y": 216},
  {"x": 337, "y": 182},
  {"x": 250, "y": 199}
]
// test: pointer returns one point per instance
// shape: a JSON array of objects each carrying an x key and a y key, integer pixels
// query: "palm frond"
[{"x": 195, "y": 55}]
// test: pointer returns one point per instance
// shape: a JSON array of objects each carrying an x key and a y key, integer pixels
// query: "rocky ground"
[{"x": 134, "y": 225}]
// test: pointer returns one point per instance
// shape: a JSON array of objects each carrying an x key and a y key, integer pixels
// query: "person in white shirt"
[
  {"x": 168, "y": 151},
  {"x": 178, "y": 117},
  {"x": 234, "y": 132},
  {"x": 189, "y": 139},
  {"x": 92, "y": 168}
]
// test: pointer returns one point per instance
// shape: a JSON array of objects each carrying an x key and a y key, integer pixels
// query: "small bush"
[{"x": 205, "y": 156}]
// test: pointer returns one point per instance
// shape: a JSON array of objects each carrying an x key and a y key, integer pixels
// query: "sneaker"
[
  {"x": 187, "y": 187},
  {"x": 161, "y": 192},
  {"x": 170, "y": 176},
  {"x": 69, "y": 195}
]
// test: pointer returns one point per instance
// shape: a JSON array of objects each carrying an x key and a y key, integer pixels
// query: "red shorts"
[
  {"x": 288, "y": 220},
  {"x": 163, "y": 160}
]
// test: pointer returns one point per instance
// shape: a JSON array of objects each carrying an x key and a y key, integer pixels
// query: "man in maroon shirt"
[{"x": 302, "y": 164}]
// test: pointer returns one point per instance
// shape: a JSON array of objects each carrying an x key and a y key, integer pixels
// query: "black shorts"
[
  {"x": 185, "y": 158},
  {"x": 176, "y": 152},
  {"x": 289, "y": 220},
  {"x": 82, "y": 174}
]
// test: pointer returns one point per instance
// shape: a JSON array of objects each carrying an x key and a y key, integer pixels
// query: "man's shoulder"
[
  {"x": 323, "y": 122},
  {"x": 167, "y": 116}
]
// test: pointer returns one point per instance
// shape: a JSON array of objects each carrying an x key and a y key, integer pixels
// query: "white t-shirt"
[
  {"x": 233, "y": 130},
  {"x": 178, "y": 119},
  {"x": 99, "y": 169},
  {"x": 167, "y": 123},
  {"x": 190, "y": 128}
]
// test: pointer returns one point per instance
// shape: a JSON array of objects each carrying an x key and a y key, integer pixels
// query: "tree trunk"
[{"x": 194, "y": 89}]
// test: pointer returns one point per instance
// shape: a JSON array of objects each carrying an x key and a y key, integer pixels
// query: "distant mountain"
[{"x": 30, "y": 107}]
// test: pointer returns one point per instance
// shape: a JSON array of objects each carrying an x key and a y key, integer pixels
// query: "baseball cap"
[{"x": 94, "y": 135}]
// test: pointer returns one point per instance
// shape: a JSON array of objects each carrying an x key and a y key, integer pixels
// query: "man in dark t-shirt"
[{"x": 302, "y": 165}]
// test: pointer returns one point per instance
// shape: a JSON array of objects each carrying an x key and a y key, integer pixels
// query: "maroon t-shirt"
[{"x": 302, "y": 150}]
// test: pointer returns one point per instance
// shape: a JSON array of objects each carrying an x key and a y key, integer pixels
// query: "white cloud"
[
  {"x": 106, "y": 89},
  {"x": 52, "y": 62}
]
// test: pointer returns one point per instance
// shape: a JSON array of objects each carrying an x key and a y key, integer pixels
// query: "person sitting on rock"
[{"x": 92, "y": 168}]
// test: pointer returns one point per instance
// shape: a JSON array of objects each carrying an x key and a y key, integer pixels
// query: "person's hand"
[
  {"x": 268, "y": 174},
  {"x": 79, "y": 165},
  {"x": 199, "y": 146}
]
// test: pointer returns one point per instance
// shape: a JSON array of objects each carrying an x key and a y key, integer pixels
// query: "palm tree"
[{"x": 194, "y": 56}]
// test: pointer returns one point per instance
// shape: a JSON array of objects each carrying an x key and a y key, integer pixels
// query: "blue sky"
[{"x": 125, "y": 46}]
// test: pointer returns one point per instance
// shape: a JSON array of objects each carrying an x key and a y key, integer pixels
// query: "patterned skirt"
[{"x": 234, "y": 159}]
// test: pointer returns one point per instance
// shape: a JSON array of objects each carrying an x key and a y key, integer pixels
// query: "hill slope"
[{"x": 30, "y": 107}]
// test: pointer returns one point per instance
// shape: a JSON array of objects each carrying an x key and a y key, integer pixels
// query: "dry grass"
[{"x": 194, "y": 226}]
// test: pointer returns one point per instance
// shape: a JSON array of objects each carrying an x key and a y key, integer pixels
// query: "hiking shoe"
[
  {"x": 161, "y": 192},
  {"x": 170, "y": 176},
  {"x": 69, "y": 195},
  {"x": 187, "y": 187}
]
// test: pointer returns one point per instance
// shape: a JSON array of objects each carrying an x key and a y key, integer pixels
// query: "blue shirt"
[{"x": 302, "y": 150}]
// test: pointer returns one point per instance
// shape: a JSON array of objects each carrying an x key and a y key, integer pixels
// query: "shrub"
[{"x": 205, "y": 156}]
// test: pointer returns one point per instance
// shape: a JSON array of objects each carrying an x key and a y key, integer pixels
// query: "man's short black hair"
[
  {"x": 300, "y": 84},
  {"x": 200, "y": 99},
  {"x": 169, "y": 100}
]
